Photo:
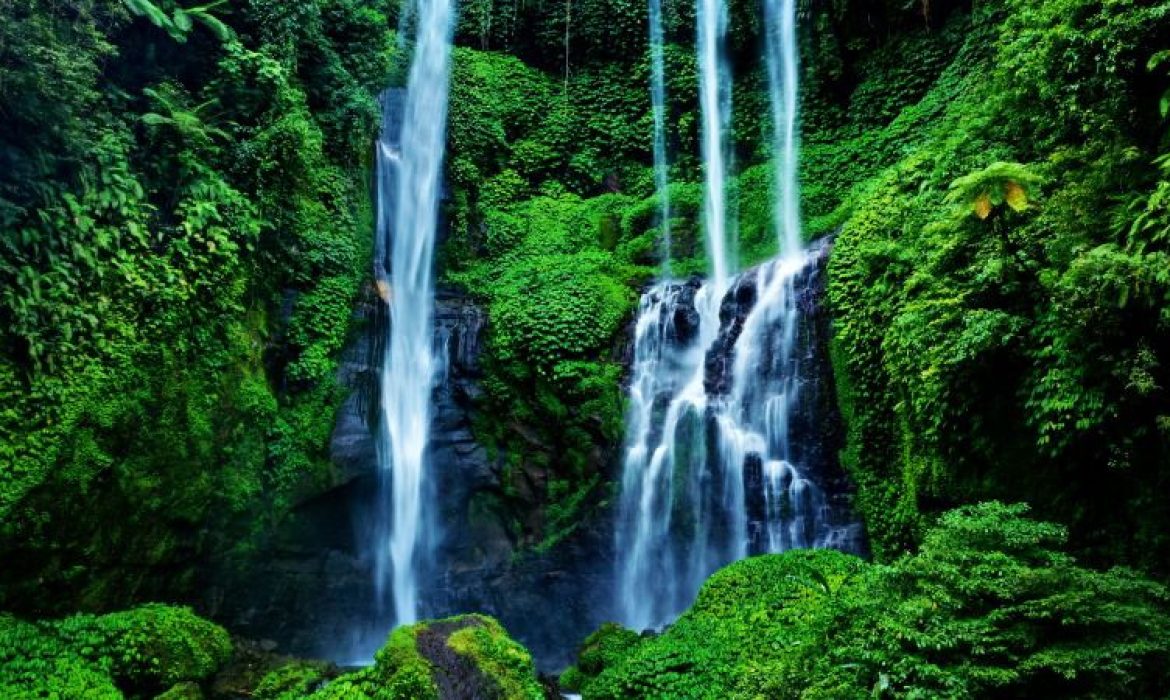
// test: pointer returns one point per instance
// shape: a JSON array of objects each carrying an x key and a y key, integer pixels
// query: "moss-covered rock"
[
  {"x": 504, "y": 662},
  {"x": 459, "y": 657},
  {"x": 604, "y": 648},
  {"x": 142, "y": 652},
  {"x": 151, "y": 646},
  {"x": 182, "y": 691},
  {"x": 36, "y": 664}
]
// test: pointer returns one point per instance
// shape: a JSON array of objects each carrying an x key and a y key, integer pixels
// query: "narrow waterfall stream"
[
  {"x": 715, "y": 107},
  {"x": 410, "y": 178},
  {"x": 658, "y": 107},
  {"x": 712, "y": 472}
]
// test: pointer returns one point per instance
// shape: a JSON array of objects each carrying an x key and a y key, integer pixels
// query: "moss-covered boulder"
[
  {"x": 604, "y": 648},
  {"x": 154, "y": 646},
  {"x": 37, "y": 664},
  {"x": 147, "y": 651},
  {"x": 469, "y": 656}
]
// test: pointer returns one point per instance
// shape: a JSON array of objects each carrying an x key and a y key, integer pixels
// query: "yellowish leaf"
[
  {"x": 1015, "y": 196},
  {"x": 983, "y": 206}
]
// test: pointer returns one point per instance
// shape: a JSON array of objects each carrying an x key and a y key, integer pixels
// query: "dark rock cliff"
[{"x": 311, "y": 589}]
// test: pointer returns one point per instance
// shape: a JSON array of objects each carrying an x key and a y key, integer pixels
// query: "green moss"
[
  {"x": 505, "y": 662},
  {"x": 152, "y": 646},
  {"x": 36, "y": 664},
  {"x": 148, "y": 650},
  {"x": 399, "y": 673},
  {"x": 604, "y": 648},
  {"x": 294, "y": 680},
  {"x": 182, "y": 691}
]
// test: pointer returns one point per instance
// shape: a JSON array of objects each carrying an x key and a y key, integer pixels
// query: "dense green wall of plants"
[
  {"x": 1000, "y": 280},
  {"x": 186, "y": 225}
]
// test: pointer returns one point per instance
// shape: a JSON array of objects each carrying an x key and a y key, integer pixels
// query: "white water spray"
[{"x": 407, "y": 217}]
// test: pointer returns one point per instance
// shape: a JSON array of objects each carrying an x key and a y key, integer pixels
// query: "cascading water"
[
  {"x": 676, "y": 324},
  {"x": 410, "y": 159},
  {"x": 711, "y": 472},
  {"x": 658, "y": 106}
]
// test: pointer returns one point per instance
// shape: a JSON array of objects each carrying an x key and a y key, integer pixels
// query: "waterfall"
[
  {"x": 715, "y": 107},
  {"x": 712, "y": 472},
  {"x": 410, "y": 159},
  {"x": 781, "y": 54},
  {"x": 656, "y": 579},
  {"x": 658, "y": 106}
]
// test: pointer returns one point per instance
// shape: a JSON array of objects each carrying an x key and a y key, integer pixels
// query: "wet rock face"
[
  {"x": 685, "y": 324},
  {"x": 737, "y": 303},
  {"x": 816, "y": 432},
  {"x": 311, "y": 590}
]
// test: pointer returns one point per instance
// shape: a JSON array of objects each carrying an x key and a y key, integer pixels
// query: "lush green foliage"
[
  {"x": 1000, "y": 280},
  {"x": 185, "y": 224},
  {"x": 140, "y": 652},
  {"x": 603, "y": 649},
  {"x": 292, "y": 681},
  {"x": 989, "y": 607},
  {"x": 399, "y": 672},
  {"x": 152, "y": 646}
]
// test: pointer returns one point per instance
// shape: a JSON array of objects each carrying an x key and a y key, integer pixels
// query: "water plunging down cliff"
[
  {"x": 410, "y": 162},
  {"x": 725, "y": 434},
  {"x": 731, "y": 443}
]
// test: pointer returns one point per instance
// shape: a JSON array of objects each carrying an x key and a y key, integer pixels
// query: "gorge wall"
[{"x": 311, "y": 586}]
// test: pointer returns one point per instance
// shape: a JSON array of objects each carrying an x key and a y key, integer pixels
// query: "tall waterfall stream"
[
  {"x": 711, "y": 473},
  {"x": 410, "y": 164}
]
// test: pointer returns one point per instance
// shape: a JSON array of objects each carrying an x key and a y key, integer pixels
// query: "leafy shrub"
[
  {"x": 989, "y": 607},
  {"x": 36, "y": 664}
]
